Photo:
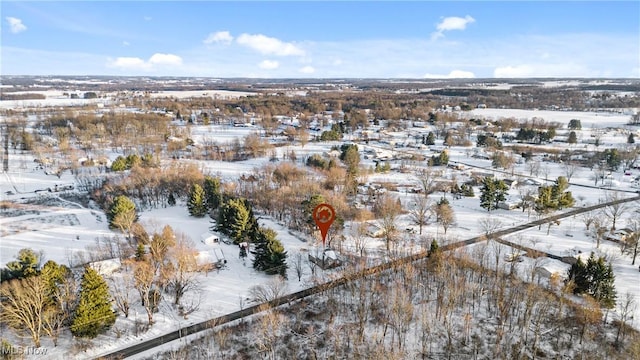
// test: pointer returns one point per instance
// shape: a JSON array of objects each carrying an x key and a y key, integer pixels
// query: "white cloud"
[
  {"x": 451, "y": 23},
  {"x": 307, "y": 70},
  {"x": 454, "y": 74},
  {"x": 513, "y": 71},
  {"x": 125, "y": 43},
  {"x": 129, "y": 63},
  {"x": 165, "y": 59},
  {"x": 136, "y": 63},
  {"x": 147, "y": 18},
  {"x": 16, "y": 25},
  {"x": 268, "y": 65},
  {"x": 542, "y": 70},
  {"x": 269, "y": 46},
  {"x": 219, "y": 37}
]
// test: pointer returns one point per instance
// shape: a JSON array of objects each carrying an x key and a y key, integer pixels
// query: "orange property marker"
[{"x": 324, "y": 215}]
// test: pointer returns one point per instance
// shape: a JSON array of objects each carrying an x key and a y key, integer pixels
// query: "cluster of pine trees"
[
  {"x": 594, "y": 278},
  {"x": 235, "y": 218}
]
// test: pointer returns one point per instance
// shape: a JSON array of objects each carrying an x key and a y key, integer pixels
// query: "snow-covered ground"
[
  {"x": 62, "y": 228},
  {"x": 588, "y": 119}
]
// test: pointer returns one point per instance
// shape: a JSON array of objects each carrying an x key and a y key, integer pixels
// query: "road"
[{"x": 208, "y": 324}]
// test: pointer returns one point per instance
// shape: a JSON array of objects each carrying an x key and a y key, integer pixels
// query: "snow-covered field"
[
  {"x": 588, "y": 119},
  {"x": 63, "y": 229},
  {"x": 58, "y": 98},
  {"x": 216, "y": 94}
]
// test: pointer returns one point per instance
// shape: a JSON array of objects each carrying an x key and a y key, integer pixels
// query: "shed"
[{"x": 209, "y": 239}]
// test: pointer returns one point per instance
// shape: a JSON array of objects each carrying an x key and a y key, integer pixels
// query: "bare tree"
[
  {"x": 489, "y": 225},
  {"x": 527, "y": 198},
  {"x": 388, "y": 209},
  {"x": 358, "y": 234},
  {"x": 160, "y": 245},
  {"x": 546, "y": 170},
  {"x": 144, "y": 278},
  {"x": 427, "y": 178},
  {"x": 533, "y": 166},
  {"x": 270, "y": 326},
  {"x": 181, "y": 268},
  {"x": 588, "y": 218},
  {"x": 599, "y": 173},
  {"x": 120, "y": 290},
  {"x": 444, "y": 215},
  {"x": 570, "y": 169},
  {"x": 421, "y": 213},
  {"x": 297, "y": 266},
  {"x": 124, "y": 220},
  {"x": 626, "y": 308},
  {"x": 598, "y": 230},
  {"x": 24, "y": 306},
  {"x": 632, "y": 241},
  {"x": 272, "y": 290},
  {"x": 616, "y": 209}
]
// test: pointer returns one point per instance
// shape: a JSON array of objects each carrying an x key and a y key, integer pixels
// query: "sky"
[{"x": 322, "y": 39}]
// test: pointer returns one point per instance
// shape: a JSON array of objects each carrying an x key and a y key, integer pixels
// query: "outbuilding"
[{"x": 209, "y": 239}]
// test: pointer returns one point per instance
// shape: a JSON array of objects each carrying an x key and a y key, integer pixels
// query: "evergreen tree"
[
  {"x": 26, "y": 264},
  {"x": 431, "y": 139},
  {"x": 613, "y": 158},
  {"x": 573, "y": 138},
  {"x": 122, "y": 206},
  {"x": 196, "y": 203},
  {"x": 54, "y": 275},
  {"x": 434, "y": 248},
  {"x": 140, "y": 252},
  {"x": 443, "y": 159},
  {"x": 236, "y": 219},
  {"x": 213, "y": 196},
  {"x": 467, "y": 190},
  {"x": 554, "y": 197},
  {"x": 171, "y": 200},
  {"x": 493, "y": 191},
  {"x": 94, "y": 313},
  {"x": 594, "y": 278},
  {"x": 631, "y": 139},
  {"x": 575, "y": 124},
  {"x": 119, "y": 164},
  {"x": 269, "y": 255}
]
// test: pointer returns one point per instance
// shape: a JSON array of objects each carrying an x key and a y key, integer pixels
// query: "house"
[
  {"x": 511, "y": 183},
  {"x": 106, "y": 267},
  {"x": 374, "y": 230},
  {"x": 618, "y": 236},
  {"x": 509, "y": 204},
  {"x": 209, "y": 239},
  {"x": 327, "y": 260}
]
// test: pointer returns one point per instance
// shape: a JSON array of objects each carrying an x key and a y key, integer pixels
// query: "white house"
[{"x": 106, "y": 267}]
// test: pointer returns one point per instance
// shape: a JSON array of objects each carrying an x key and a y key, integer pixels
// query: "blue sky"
[{"x": 322, "y": 39}]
